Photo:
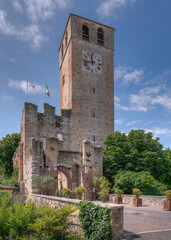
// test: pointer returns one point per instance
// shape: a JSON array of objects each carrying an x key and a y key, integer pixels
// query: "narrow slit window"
[
  {"x": 93, "y": 114},
  {"x": 94, "y": 138},
  {"x": 66, "y": 38},
  {"x": 100, "y": 36},
  {"x": 93, "y": 90},
  {"x": 62, "y": 50},
  {"x": 85, "y": 32},
  {"x": 63, "y": 80}
]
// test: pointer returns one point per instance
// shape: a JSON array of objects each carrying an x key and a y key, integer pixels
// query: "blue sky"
[{"x": 30, "y": 34}]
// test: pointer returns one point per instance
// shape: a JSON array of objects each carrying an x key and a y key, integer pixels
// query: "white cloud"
[
  {"x": 148, "y": 98},
  {"x": 128, "y": 75},
  {"x": 44, "y": 9},
  {"x": 17, "y": 6},
  {"x": 22, "y": 85},
  {"x": 6, "y": 98},
  {"x": 30, "y": 34},
  {"x": 119, "y": 121},
  {"x": 109, "y": 7},
  {"x": 157, "y": 131},
  {"x": 131, "y": 123},
  {"x": 134, "y": 76},
  {"x": 13, "y": 60}
]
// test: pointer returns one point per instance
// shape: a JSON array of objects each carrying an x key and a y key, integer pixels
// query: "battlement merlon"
[
  {"x": 30, "y": 111},
  {"x": 43, "y": 125}
]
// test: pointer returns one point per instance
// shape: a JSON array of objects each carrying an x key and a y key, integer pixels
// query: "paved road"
[{"x": 146, "y": 223}]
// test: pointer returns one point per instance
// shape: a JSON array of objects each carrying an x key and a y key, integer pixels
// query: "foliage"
[
  {"x": 127, "y": 180},
  {"x": 119, "y": 192},
  {"x": 5, "y": 212},
  {"x": 138, "y": 151},
  {"x": 136, "y": 193},
  {"x": 66, "y": 192},
  {"x": 95, "y": 221},
  {"x": 79, "y": 192},
  {"x": 8, "y": 146},
  {"x": 168, "y": 194},
  {"x": 43, "y": 182},
  {"x": 58, "y": 193},
  {"x": 18, "y": 221},
  {"x": 12, "y": 180},
  {"x": 102, "y": 187},
  {"x": 156, "y": 188},
  {"x": 53, "y": 223}
]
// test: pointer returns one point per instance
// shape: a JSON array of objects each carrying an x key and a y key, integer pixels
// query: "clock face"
[{"x": 91, "y": 62}]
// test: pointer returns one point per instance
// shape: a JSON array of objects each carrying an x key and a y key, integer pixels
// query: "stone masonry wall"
[
  {"x": 56, "y": 202},
  {"x": 153, "y": 201}
]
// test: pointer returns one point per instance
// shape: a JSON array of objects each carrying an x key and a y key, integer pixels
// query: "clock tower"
[{"x": 86, "y": 65}]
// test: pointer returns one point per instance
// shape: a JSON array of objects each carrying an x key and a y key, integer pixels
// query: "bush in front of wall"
[
  {"x": 102, "y": 187},
  {"x": 66, "y": 192},
  {"x": 79, "y": 192},
  {"x": 58, "y": 193},
  {"x": 95, "y": 221}
]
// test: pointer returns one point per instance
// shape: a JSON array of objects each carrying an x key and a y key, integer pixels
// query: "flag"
[
  {"x": 31, "y": 84},
  {"x": 47, "y": 91}
]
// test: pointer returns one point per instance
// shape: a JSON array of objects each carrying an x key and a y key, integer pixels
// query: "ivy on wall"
[{"x": 95, "y": 221}]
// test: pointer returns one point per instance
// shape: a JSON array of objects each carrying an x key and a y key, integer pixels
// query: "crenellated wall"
[{"x": 41, "y": 152}]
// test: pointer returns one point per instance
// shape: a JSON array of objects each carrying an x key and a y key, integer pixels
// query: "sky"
[{"x": 30, "y": 35}]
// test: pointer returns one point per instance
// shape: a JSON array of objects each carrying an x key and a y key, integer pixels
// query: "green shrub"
[
  {"x": 127, "y": 180},
  {"x": 20, "y": 219},
  {"x": 168, "y": 194},
  {"x": 12, "y": 180},
  {"x": 53, "y": 223},
  {"x": 102, "y": 187},
  {"x": 58, "y": 193},
  {"x": 79, "y": 192},
  {"x": 95, "y": 221},
  {"x": 5, "y": 213},
  {"x": 66, "y": 192},
  {"x": 156, "y": 188}
]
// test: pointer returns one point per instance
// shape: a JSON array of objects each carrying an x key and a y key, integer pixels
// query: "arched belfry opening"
[{"x": 85, "y": 32}]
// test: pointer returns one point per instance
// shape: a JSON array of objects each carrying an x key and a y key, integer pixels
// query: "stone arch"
[{"x": 67, "y": 175}]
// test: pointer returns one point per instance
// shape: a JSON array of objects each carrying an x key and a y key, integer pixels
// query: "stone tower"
[
  {"x": 87, "y": 79},
  {"x": 87, "y": 114}
]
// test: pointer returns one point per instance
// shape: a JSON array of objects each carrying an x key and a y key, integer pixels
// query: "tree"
[
  {"x": 138, "y": 151},
  {"x": 43, "y": 183},
  {"x": 8, "y": 146}
]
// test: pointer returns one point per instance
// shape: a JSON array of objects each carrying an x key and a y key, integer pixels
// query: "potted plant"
[
  {"x": 79, "y": 192},
  {"x": 167, "y": 202},
  {"x": 102, "y": 188},
  {"x": 118, "y": 198},
  {"x": 137, "y": 202}
]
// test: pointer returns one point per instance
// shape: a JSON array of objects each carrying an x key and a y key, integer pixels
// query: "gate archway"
[{"x": 64, "y": 178}]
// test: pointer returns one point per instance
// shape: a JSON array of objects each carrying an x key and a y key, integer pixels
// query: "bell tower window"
[
  {"x": 85, "y": 32},
  {"x": 100, "y": 36}
]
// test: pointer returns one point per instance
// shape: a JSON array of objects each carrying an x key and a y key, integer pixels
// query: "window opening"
[
  {"x": 100, "y": 36},
  {"x": 85, "y": 32}
]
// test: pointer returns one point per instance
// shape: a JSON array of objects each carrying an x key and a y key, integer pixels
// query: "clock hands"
[{"x": 90, "y": 61}]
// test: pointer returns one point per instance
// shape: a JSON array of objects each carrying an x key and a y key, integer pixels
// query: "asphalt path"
[{"x": 146, "y": 223}]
